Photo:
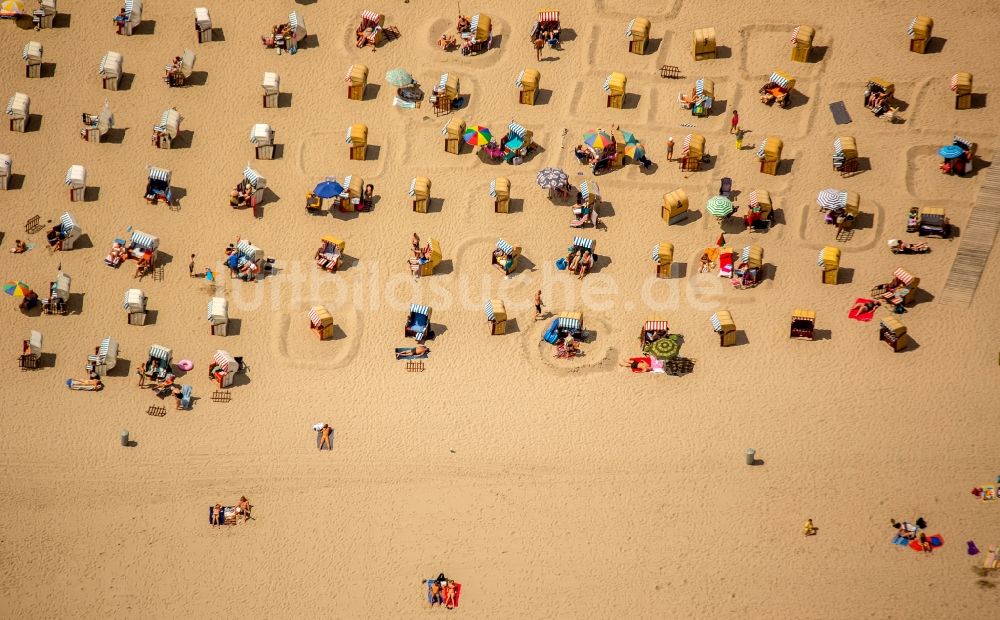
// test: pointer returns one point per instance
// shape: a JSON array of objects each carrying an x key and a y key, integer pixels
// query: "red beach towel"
[{"x": 856, "y": 313}]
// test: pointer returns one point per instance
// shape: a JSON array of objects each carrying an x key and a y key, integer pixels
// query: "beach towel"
[
  {"x": 725, "y": 264},
  {"x": 899, "y": 540},
  {"x": 402, "y": 103},
  {"x": 458, "y": 592},
  {"x": 856, "y": 313},
  {"x": 990, "y": 561},
  {"x": 839, "y": 111},
  {"x": 934, "y": 539},
  {"x": 410, "y": 356},
  {"x": 989, "y": 493},
  {"x": 86, "y": 386},
  {"x": 227, "y": 516}
]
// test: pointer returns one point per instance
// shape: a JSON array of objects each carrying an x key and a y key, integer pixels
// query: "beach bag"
[{"x": 561, "y": 264}]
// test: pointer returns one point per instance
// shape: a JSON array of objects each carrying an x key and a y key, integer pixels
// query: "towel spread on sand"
[
  {"x": 856, "y": 313},
  {"x": 839, "y": 111}
]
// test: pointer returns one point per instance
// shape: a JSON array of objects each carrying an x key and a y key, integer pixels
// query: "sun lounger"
[{"x": 184, "y": 402}]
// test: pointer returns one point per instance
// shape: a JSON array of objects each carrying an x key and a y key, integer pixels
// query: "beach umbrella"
[
  {"x": 328, "y": 189},
  {"x": 597, "y": 139},
  {"x": 831, "y": 199},
  {"x": 12, "y": 8},
  {"x": 477, "y": 135},
  {"x": 550, "y": 178},
  {"x": 951, "y": 151},
  {"x": 666, "y": 348},
  {"x": 719, "y": 206},
  {"x": 398, "y": 77},
  {"x": 16, "y": 288},
  {"x": 630, "y": 137},
  {"x": 635, "y": 151}
]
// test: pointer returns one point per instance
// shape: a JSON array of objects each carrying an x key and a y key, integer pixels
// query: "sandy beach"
[{"x": 549, "y": 488}]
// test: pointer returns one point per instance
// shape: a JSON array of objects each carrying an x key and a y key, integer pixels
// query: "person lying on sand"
[
  {"x": 216, "y": 514},
  {"x": 636, "y": 365},
  {"x": 416, "y": 351},
  {"x": 866, "y": 307}
]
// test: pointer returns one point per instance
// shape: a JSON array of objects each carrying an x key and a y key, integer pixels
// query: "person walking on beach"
[
  {"x": 739, "y": 139},
  {"x": 191, "y": 267},
  {"x": 734, "y": 123},
  {"x": 539, "y": 46},
  {"x": 670, "y": 148},
  {"x": 538, "y": 305}
]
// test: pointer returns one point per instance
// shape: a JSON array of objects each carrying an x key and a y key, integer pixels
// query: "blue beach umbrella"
[
  {"x": 328, "y": 189},
  {"x": 951, "y": 151}
]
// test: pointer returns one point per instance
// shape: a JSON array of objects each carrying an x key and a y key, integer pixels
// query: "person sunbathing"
[
  {"x": 410, "y": 352},
  {"x": 449, "y": 595},
  {"x": 324, "y": 439},
  {"x": 414, "y": 264},
  {"x": 216, "y": 514},
  {"x": 463, "y": 24},
  {"x": 582, "y": 153},
  {"x": 243, "y": 507},
  {"x": 141, "y": 266},
  {"x": 446, "y": 42},
  {"x": 415, "y": 244},
  {"x": 706, "y": 264},
  {"x": 866, "y": 306},
  {"x": 637, "y": 364},
  {"x": 901, "y": 247},
  {"x": 19, "y": 247}
]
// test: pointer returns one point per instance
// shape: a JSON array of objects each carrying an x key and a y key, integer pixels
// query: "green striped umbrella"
[{"x": 719, "y": 206}]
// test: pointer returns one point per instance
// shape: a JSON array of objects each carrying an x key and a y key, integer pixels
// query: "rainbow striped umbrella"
[
  {"x": 17, "y": 289},
  {"x": 597, "y": 139},
  {"x": 477, "y": 135},
  {"x": 635, "y": 151}
]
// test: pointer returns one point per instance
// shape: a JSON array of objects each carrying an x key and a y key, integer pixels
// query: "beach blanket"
[
  {"x": 655, "y": 364},
  {"x": 458, "y": 592},
  {"x": 410, "y": 356},
  {"x": 86, "y": 386},
  {"x": 935, "y": 540},
  {"x": 839, "y": 111},
  {"x": 226, "y": 517},
  {"x": 856, "y": 313},
  {"x": 402, "y": 103}
]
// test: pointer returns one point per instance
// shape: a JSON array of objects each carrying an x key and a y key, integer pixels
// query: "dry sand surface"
[{"x": 548, "y": 489}]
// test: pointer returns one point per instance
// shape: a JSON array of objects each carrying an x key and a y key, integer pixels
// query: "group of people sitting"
[
  {"x": 566, "y": 348},
  {"x": 54, "y": 303},
  {"x": 773, "y": 93},
  {"x": 54, "y": 238},
  {"x": 599, "y": 160},
  {"x": 282, "y": 38},
  {"x": 911, "y": 531},
  {"x": 245, "y": 270},
  {"x": 120, "y": 253},
  {"x": 367, "y": 35},
  {"x": 875, "y": 100},
  {"x": 503, "y": 260},
  {"x": 240, "y": 514},
  {"x": 583, "y": 213},
  {"x": 242, "y": 195},
  {"x": 580, "y": 262},
  {"x": 421, "y": 255},
  {"x": 442, "y": 591},
  {"x": 173, "y": 73},
  {"x": 547, "y": 33}
]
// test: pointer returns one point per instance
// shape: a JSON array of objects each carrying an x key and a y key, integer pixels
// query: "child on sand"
[{"x": 809, "y": 529}]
